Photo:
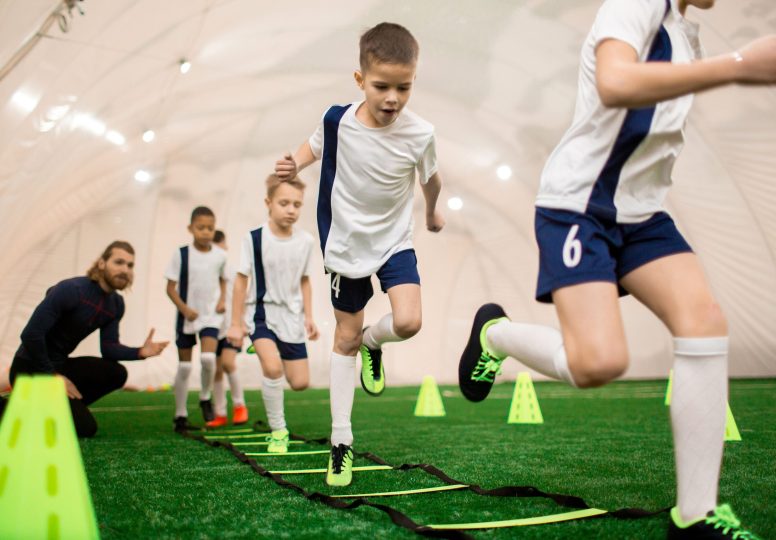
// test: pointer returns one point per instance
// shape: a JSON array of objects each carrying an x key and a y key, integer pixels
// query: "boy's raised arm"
[{"x": 289, "y": 166}]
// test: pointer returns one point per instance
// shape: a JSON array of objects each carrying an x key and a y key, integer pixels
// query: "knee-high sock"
[
  {"x": 272, "y": 394},
  {"x": 341, "y": 390},
  {"x": 219, "y": 397},
  {"x": 238, "y": 398},
  {"x": 182, "y": 388},
  {"x": 538, "y": 347},
  {"x": 208, "y": 360},
  {"x": 380, "y": 333},
  {"x": 698, "y": 415}
]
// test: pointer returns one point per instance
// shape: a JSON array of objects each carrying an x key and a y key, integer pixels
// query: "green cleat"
[
  {"x": 479, "y": 366},
  {"x": 718, "y": 523},
  {"x": 278, "y": 441},
  {"x": 340, "y": 470},
  {"x": 372, "y": 371}
]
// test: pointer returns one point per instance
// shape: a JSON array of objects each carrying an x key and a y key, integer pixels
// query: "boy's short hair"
[
  {"x": 219, "y": 236},
  {"x": 201, "y": 211},
  {"x": 273, "y": 183},
  {"x": 387, "y": 43}
]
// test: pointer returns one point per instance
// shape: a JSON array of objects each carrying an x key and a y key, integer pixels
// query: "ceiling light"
[
  {"x": 454, "y": 203},
  {"x": 115, "y": 137},
  {"x": 143, "y": 176},
  {"x": 504, "y": 172},
  {"x": 149, "y": 135},
  {"x": 24, "y": 101},
  {"x": 184, "y": 66}
]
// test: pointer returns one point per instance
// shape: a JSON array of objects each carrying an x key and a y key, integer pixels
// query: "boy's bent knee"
[
  {"x": 595, "y": 372},
  {"x": 405, "y": 329}
]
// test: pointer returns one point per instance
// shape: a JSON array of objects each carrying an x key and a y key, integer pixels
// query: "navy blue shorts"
[
  {"x": 352, "y": 295},
  {"x": 187, "y": 341},
  {"x": 578, "y": 248},
  {"x": 288, "y": 351},
  {"x": 226, "y": 344}
]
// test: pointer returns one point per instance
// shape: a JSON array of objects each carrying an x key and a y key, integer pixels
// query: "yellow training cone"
[
  {"x": 43, "y": 488},
  {"x": 668, "y": 388},
  {"x": 525, "y": 407},
  {"x": 731, "y": 429},
  {"x": 429, "y": 399}
]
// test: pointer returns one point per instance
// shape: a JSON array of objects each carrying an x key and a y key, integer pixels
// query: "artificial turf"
[{"x": 611, "y": 446}]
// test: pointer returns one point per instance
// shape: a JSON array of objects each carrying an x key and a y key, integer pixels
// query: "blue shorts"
[
  {"x": 351, "y": 295},
  {"x": 187, "y": 341},
  {"x": 288, "y": 351},
  {"x": 226, "y": 344},
  {"x": 578, "y": 248}
]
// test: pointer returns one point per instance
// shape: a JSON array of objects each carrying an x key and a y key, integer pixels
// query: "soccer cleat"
[
  {"x": 372, "y": 371},
  {"x": 239, "y": 415},
  {"x": 278, "y": 441},
  {"x": 479, "y": 366},
  {"x": 718, "y": 523},
  {"x": 207, "y": 409},
  {"x": 217, "y": 422},
  {"x": 340, "y": 470},
  {"x": 181, "y": 424}
]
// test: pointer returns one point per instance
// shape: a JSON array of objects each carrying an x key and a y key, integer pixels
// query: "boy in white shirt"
[
  {"x": 195, "y": 284},
  {"x": 272, "y": 301},
  {"x": 226, "y": 357},
  {"x": 370, "y": 152},
  {"x": 602, "y": 232}
]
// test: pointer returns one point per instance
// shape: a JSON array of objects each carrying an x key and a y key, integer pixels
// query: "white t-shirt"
[
  {"x": 373, "y": 184},
  {"x": 204, "y": 288},
  {"x": 284, "y": 261},
  {"x": 616, "y": 163},
  {"x": 229, "y": 275}
]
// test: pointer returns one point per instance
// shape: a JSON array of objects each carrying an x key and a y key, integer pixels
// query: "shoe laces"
[
  {"x": 374, "y": 363},
  {"x": 338, "y": 454},
  {"x": 272, "y": 438},
  {"x": 487, "y": 368},
  {"x": 723, "y": 518}
]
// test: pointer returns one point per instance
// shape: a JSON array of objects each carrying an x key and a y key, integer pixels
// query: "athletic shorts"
[
  {"x": 578, "y": 248},
  {"x": 288, "y": 351},
  {"x": 352, "y": 295},
  {"x": 187, "y": 341},
  {"x": 226, "y": 344}
]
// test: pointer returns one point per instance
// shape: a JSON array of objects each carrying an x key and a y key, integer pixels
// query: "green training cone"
[
  {"x": 250, "y": 349},
  {"x": 429, "y": 399},
  {"x": 525, "y": 407},
  {"x": 731, "y": 429},
  {"x": 668, "y": 388},
  {"x": 43, "y": 488}
]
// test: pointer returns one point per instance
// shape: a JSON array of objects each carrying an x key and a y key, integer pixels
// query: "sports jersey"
[
  {"x": 616, "y": 163},
  {"x": 275, "y": 267},
  {"x": 198, "y": 284},
  {"x": 366, "y": 187}
]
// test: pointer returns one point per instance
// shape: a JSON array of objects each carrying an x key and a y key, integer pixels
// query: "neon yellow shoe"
[
  {"x": 479, "y": 366},
  {"x": 372, "y": 371},
  {"x": 718, "y": 523},
  {"x": 278, "y": 441},
  {"x": 340, "y": 470}
]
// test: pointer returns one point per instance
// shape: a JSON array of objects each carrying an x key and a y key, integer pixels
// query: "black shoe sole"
[{"x": 476, "y": 390}]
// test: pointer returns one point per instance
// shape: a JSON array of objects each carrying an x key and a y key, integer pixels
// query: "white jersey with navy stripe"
[
  {"x": 275, "y": 272},
  {"x": 366, "y": 189},
  {"x": 616, "y": 163}
]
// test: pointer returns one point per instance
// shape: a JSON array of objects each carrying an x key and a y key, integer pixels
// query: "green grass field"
[{"x": 610, "y": 446}]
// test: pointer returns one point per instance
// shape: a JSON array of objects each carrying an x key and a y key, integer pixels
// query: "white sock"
[
  {"x": 698, "y": 415},
  {"x": 538, "y": 347},
  {"x": 208, "y": 361},
  {"x": 219, "y": 397},
  {"x": 272, "y": 394},
  {"x": 341, "y": 390},
  {"x": 181, "y": 388},
  {"x": 238, "y": 398},
  {"x": 380, "y": 333}
]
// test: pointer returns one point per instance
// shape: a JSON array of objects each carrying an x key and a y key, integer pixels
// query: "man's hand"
[
  {"x": 435, "y": 222},
  {"x": 311, "y": 329},
  {"x": 72, "y": 391},
  {"x": 286, "y": 166},
  {"x": 151, "y": 347},
  {"x": 235, "y": 335},
  {"x": 190, "y": 314}
]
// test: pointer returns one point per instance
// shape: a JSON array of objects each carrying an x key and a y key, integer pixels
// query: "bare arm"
[
  {"x": 431, "y": 189},
  {"x": 172, "y": 293},
  {"x": 235, "y": 334},
  {"x": 623, "y": 81},
  {"x": 289, "y": 166},
  {"x": 221, "y": 305},
  {"x": 307, "y": 300}
]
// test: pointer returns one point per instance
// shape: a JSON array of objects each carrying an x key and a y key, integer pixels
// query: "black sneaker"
[
  {"x": 182, "y": 424},
  {"x": 478, "y": 366},
  {"x": 372, "y": 371},
  {"x": 207, "y": 410},
  {"x": 718, "y": 523}
]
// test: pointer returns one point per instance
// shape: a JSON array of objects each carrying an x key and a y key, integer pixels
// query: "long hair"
[{"x": 94, "y": 271}]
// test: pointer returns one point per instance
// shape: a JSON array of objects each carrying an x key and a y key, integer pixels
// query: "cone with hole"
[
  {"x": 429, "y": 399},
  {"x": 525, "y": 407},
  {"x": 43, "y": 488},
  {"x": 731, "y": 429}
]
